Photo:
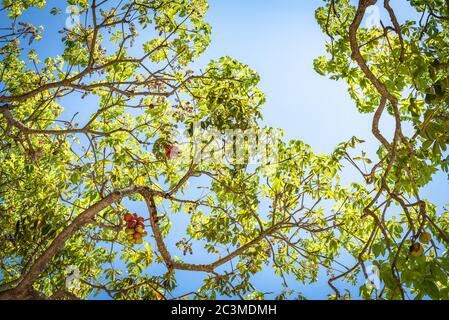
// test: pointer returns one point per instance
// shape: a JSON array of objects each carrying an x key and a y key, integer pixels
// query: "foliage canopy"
[{"x": 65, "y": 187}]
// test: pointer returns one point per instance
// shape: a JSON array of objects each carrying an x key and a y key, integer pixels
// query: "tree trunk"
[{"x": 16, "y": 294}]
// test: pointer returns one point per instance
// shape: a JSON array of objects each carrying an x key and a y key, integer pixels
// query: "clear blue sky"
[{"x": 279, "y": 39}]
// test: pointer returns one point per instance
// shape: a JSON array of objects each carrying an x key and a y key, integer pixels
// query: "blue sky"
[{"x": 279, "y": 39}]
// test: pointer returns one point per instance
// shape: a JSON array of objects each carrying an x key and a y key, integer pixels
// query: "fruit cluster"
[
  {"x": 172, "y": 152},
  {"x": 417, "y": 249},
  {"x": 135, "y": 228}
]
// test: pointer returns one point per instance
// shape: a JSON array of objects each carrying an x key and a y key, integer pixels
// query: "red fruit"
[
  {"x": 132, "y": 223},
  {"x": 137, "y": 236},
  {"x": 128, "y": 217},
  {"x": 140, "y": 219},
  {"x": 135, "y": 215},
  {"x": 151, "y": 106},
  {"x": 171, "y": 152}
]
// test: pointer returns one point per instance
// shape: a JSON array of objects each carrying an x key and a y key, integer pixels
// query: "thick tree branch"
[
  {"x": 22, "y": 290},
  {"x": 171, "y": 264}
]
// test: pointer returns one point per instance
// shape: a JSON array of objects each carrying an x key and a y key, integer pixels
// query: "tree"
[
  {"x": 66, "y": 188},
  {"x": 399, "y": 70}
]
